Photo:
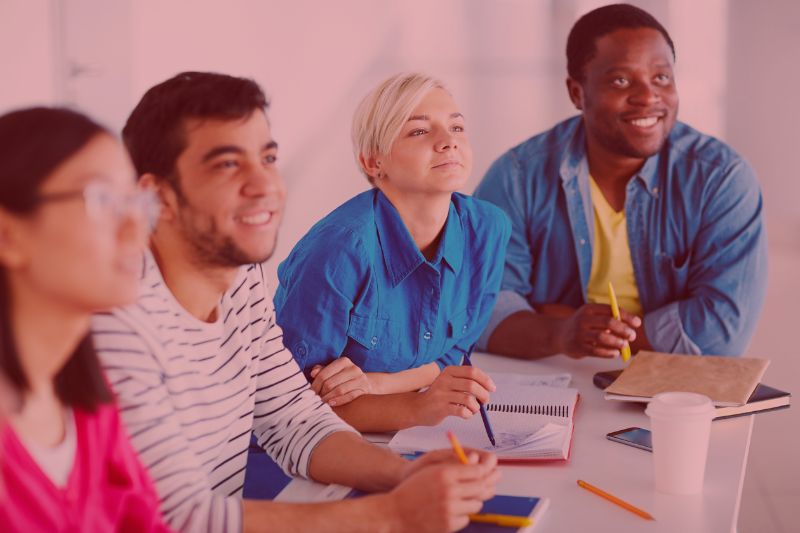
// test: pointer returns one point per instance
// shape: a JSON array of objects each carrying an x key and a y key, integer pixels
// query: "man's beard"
[{"x": 210, "y": 249}]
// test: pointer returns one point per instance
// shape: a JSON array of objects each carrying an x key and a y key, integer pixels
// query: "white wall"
[
  {"x": 504, "y": 61},
  {"x": 762, "y": 106},
  {"x": 27, "y": 54}
]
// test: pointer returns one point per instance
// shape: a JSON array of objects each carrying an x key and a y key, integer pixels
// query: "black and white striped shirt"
[{"x": 191, "y": 392}]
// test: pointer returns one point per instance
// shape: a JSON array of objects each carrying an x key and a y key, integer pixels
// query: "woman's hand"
[
  {"x": 457, "y": 391},
  {"x": 340, "y": 382}
]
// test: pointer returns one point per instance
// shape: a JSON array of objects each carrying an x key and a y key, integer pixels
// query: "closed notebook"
[
  {"x": 728, "y": 381},
  {"x": 523, "y": 506},
  {"x": 532, "y": 508},
  {"x": 763, "y": 399},
  {"x": 529, "y": 423}
]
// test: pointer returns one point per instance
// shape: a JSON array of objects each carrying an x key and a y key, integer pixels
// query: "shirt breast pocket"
[
  {"x": 460, "y": 323},
  {"x": 676, "y": 272},
  {"x": 372, "y": 343}
]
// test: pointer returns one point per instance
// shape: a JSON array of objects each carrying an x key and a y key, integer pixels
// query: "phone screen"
[{"x": 636, "y": 437}]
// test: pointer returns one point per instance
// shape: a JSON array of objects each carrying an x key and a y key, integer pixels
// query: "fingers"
[
  {"x": 469, "y": 373},
  {"x": 347, "y": 375},
  {"x": 470, "y": 388},
  {"x": 599, "y": 317},
  {"x": 330, "y": 376},
  {"x": 336, "y": 366},
  {"x": 341, "y": 395},
  {"x": 632, "y": 320},
  {"x": 481, "y": 457}
]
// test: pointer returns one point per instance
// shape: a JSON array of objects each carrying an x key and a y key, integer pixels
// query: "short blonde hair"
[{"x": 380, "y": 116}]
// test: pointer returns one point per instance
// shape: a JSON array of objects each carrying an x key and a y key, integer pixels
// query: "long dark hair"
[{"x": 33, "y": 143}]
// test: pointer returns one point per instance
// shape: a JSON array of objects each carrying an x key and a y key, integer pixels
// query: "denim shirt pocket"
[
  {"x": 371, "y": 333},
  {"x": 374, "y": 345},
  {"x": 676, "y": 271},
  {"x": 459, "y": 324}
]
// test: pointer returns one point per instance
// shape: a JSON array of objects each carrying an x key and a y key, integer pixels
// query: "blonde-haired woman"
[{"x": 384, "y": 295}]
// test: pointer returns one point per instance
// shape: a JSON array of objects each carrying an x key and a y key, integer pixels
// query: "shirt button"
[
  {"x": 583, "y": 241},
  {"x": 464, "y": 329},
  {"x": 374, "y": 341},
  {"x": 301, "y": 350},
  {"x": 427, "y": 336}
]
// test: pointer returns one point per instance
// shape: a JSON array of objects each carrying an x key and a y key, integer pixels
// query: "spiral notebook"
[{"x": 530, "y": 423}]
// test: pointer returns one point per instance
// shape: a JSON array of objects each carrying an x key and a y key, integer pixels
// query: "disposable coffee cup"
[{"x": 681, "y": 425}]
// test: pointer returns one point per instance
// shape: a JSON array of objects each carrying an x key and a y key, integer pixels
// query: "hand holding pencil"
[
  {"x": 625, "y": 351},
  {"x": 457, "y": 391},
  {"x": 439, "y": 491},
  {"x": 487, "y": 518}
]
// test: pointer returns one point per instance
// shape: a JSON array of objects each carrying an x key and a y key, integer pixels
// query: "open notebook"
[{"x": 529, "y": 423}]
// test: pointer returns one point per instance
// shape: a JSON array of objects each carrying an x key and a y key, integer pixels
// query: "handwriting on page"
[
  {"x": 541, "y": 380},
  {"x": 507, "y": 442}
]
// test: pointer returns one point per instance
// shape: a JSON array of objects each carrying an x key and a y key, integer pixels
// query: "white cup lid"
[{"x": 668, "y": 404}]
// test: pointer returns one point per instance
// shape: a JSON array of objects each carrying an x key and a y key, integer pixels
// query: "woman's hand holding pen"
[{"x": 457, "y": 391}]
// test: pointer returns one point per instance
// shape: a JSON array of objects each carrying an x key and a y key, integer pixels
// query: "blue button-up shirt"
[
  {"x": 357, "y": 285},
  {"x": 695, "y": 230}
]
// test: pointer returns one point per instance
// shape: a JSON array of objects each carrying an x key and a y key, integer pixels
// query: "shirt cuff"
[
  {"x": 508, "y": 303},
  {"x": 665, "y": 331}
]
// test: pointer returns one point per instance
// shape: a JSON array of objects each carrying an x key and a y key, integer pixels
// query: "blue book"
[{"x": 533, "y": 508}]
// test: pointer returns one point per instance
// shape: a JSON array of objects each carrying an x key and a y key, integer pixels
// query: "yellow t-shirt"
[{"x": 611, "y": 256}]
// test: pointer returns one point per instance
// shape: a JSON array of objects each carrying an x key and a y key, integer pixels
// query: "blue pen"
[{"x": 484, "y": 416}]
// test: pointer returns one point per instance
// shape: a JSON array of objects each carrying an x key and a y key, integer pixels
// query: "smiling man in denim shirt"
[{"x": 623, "y": 193}]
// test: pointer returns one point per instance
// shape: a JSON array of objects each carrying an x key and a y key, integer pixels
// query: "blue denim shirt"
[
  {"x": 695, "y": 231},
  {"x": 357, "y": 285}
]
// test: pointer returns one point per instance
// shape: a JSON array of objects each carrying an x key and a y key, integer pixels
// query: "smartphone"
[{"x": 636, "y": 437}]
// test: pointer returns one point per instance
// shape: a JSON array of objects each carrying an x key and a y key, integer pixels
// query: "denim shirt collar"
[
  {"x": 575, "y": 164},
  {"x": 401, "y": 254}
]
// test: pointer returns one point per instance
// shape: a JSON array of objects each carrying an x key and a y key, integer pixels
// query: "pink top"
[{"x": 107, "y": 490}]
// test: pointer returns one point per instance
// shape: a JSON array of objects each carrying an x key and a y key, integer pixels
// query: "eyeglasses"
[{"x": 104, "y": 204}]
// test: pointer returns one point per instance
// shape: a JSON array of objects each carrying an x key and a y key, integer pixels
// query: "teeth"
[
  {"x": 644, "y": 122},
  {"x": 261, "y": 218}
]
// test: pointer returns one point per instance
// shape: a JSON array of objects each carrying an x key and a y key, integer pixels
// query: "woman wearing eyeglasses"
[{"x": 72, "y": 230}]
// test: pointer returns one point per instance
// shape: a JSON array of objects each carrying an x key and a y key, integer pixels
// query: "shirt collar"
[
  {"x": 400, "y": 253},
  {"x": 574, "y": 162}
]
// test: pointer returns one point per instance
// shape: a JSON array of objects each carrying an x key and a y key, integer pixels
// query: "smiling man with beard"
[
  {"x": 625, "y": 194},
  {"x": 198, "y": 363}
]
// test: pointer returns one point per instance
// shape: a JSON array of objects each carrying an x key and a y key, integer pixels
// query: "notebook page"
[
  {"x": 547, "y": 380},
  {"x": 518, "y": 434},
  {"x": 550, "y": 401}
]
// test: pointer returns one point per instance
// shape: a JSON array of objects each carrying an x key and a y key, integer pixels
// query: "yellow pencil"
[
  {"x": 459, "y": 451},
  {"x": 503, "y": 520},
  {"x": 614, "y": 499},
  {"x": 626, "y": 349}
]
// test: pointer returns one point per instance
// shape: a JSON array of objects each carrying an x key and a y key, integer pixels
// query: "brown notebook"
[{"x": 728, "y": 381}]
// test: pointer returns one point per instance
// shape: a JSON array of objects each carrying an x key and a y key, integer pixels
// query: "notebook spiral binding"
[{"x": 549, "y": 410}]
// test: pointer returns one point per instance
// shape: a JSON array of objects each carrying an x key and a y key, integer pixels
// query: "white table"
[{"x": 621, "y": 470}]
